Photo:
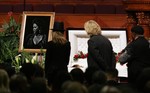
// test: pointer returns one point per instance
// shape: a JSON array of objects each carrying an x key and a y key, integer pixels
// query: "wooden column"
[{"x": 138, "y": 14}]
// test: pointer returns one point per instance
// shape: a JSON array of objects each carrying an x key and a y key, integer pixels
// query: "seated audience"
[
  {"x": 110, "y": 89},
  {"x": 59, "y": 78},
  {"x": 9, "y": 69},
  {"x": 4, "y": 82},
  {"x": 112, "y": 76},
  {"x": 28, "y": 70},
  {"x": 99, "y": 77},
  {"x": 77, "y": 75},
  {"x": 73, "y": 87},
  {"x": 143, "y": 81},
  {"x": 88, "y": 75},
  {"x": 39, "y": 85},
  {"x": 31, "y": 71},
  {"x": 98, "y": 80},
  {"x": 19, "y": 84}
]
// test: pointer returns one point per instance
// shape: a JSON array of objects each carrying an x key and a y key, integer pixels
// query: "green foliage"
[
  {"x": 10, "y": 28},
  {"x": 9, "y": 45},
  {"x": 26, "y": 56},
  {"x": 8, "y": 48},
  {"x": 9, "y": 39}
]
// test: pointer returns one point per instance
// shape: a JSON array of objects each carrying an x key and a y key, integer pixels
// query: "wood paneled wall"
[
  {"x": 114, "y": 21},
  {"x": 64, "y": 1},
  {"x": 75, "y": 20}
]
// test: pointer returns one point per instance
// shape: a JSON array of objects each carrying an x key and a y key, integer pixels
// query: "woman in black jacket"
[
  {"x": 57, "y": 53},
  {"x": 100, "y": 50}
]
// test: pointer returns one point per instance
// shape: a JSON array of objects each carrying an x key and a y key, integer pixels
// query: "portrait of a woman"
[{"x": 37, "y": 38}]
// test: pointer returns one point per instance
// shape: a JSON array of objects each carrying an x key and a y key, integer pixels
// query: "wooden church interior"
[{"x": 110, "y": 14}]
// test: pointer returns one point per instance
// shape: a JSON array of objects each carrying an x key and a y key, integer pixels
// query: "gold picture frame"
[{"x": 28, "y": 41}]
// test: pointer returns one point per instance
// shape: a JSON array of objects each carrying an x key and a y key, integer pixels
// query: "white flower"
[
  {"x": 27, "y": 61},
  {"x": 17, "y": 58},
  {"x": 34, "y": 59}
]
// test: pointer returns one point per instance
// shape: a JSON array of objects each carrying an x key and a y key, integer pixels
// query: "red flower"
[
  {"x": 117, "y": 57},
  {"x": 76, "y": 56},
  {"x": 86, "y": 55},
  {"x": 80, "y": 55},
  {"x": 12, "y": 29},
  {"x": 10, "y": 13}
]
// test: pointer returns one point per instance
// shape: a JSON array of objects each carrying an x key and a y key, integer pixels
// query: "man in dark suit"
[{"x": 136, "y": 54}]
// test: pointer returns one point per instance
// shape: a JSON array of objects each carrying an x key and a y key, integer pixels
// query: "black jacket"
[
  {"x": 139, "y": 57},
  {"x": 57, "y": 56},
  {"x": 100, "y": 53}
]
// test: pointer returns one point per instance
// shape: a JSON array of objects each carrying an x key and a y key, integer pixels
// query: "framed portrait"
[{"x": 36, "y": 31}]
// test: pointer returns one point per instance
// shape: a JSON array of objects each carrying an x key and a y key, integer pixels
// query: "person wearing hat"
[
  {"x": 57, "y": 52},
  {"x": 136, "y": 54}
]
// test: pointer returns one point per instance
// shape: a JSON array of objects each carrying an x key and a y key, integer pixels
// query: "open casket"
[{"x": 78, "y": 38}]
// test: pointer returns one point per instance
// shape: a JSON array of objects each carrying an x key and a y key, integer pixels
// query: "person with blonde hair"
[
  {"x": 57, "y": 52},
  {"x": 100, "y": 50}
]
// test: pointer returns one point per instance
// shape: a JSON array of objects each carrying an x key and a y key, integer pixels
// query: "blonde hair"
[
  {"x": 58, "y": 37},
  {"x": 92, "y": 27}
]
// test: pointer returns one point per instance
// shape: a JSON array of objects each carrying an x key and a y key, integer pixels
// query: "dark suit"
[
  {"x": 100, "y": 53},
  {"x": 57, "y": 58},
  {"x": 139, "y": 57}
]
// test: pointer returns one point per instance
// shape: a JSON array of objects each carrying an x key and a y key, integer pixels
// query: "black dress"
[
  {"x": 57, "y": 59},
  {"x": 30, "y": 44}
]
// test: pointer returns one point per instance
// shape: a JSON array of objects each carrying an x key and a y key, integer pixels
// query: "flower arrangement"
[
  {"x": 80, "y": 54},
  {"x": 9, "y": 39},
  {"x": 9, "y": 44},
  {"x": 26, "y": 57},
  {"x": 11, "y": 27}
]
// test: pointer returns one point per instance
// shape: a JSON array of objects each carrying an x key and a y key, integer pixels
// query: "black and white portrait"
[{"x": 35, "y": 32}]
